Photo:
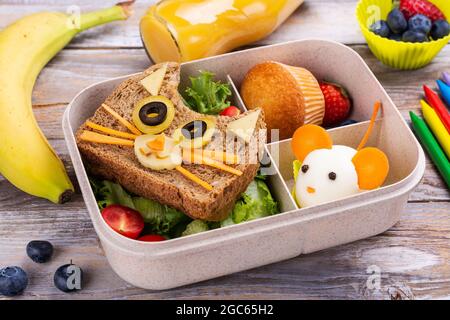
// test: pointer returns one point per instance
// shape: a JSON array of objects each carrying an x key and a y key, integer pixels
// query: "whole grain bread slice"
[{"x": 169, "y": 187}]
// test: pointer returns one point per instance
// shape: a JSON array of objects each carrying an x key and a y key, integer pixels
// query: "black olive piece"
[
  {"x": 332, "y": 176},
  {"x": 194, "y": 129},
  {"x": 154, "y": 107},
  {"x": 305, "y": 168}
]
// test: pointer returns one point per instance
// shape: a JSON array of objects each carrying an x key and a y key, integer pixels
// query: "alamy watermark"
[
  {"x": 374, "y": 13},
  {"x": 374, "y": 280},
  {"x": 74, "y": 279},
  {"x": 74, "y": 17}
]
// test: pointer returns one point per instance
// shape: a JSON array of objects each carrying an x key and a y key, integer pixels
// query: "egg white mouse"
[{"x": 326, "y": 175}]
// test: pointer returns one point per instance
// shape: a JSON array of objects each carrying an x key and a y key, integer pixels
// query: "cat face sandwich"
[{"x": 146, "y": 139}]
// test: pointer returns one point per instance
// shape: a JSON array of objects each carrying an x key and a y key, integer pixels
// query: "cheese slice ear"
[
  {"x": 372, "y": 167},
  {"x": 244, "y": 127},
  {"x": 153, "y": 82}
]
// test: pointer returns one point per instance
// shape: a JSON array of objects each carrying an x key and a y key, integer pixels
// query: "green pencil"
[{"x": 432, "y": 146}]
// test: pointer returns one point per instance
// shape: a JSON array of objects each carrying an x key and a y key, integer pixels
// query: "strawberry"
[
  {"x": 337, "y": 103},
  {"x": 413, "y": 7}
]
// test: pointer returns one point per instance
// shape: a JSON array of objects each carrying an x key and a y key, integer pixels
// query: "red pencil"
[{"x": 439, "y": 106}]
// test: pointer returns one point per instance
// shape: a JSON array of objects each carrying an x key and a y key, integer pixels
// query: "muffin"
[{"x": 290, "y": 96}]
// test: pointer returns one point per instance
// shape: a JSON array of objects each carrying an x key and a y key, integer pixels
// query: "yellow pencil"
[{"x": 436, "y": 126}]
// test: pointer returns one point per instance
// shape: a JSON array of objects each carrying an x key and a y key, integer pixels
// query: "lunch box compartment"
[
  {"x": 282, "y": 155},
  {"x": 237, "y": 99},
  {"x": 277, "y": 184},
  {"x": 186, "y": 260}
]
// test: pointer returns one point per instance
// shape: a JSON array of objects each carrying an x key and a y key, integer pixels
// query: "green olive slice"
[
  {"x": 195, "y": 134},
  {"x": 153, "y": 115}
]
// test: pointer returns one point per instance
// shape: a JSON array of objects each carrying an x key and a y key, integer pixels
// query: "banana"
[{"x": 26, "y": 158}]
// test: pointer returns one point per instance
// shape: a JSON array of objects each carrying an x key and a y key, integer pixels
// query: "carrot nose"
[{"x": 310, "y": 190}]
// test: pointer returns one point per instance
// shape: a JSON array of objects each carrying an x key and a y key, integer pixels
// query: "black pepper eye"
[
  {"x": 305, "y": 168},
  {"x": 332, "y": 176}
]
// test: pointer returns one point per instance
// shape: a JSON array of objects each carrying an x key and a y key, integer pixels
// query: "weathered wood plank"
[
  {"x": 326, "y": 19},
  {"x": 412, "y": 256},
  {"x": 73, "y": 70}
]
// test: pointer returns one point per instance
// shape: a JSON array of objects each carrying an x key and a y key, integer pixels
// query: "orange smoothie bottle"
[{"x": 184, "y": 30}]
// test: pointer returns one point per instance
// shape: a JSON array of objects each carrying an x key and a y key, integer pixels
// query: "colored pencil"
[
  {"x": 445, "y": 91},
  {"x": 436, "y": 126},
  {"x": 432, "y": 147},
  {"x": 436, "y": 102},
  {"x": 446, "y": 78}
]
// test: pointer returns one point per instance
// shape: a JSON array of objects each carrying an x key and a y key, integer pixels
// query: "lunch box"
[{"x": 295, "y": 231}]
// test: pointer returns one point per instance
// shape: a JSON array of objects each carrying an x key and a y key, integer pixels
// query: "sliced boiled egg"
[{"x": 166, "y": 159}]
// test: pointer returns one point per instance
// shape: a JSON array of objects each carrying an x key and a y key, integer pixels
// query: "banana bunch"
[{"x": 26, "y": 158}]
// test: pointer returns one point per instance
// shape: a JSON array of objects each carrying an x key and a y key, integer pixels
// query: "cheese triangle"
[
  {"x": 153, "y": 82},
  {"x": 245, "y": 127}
]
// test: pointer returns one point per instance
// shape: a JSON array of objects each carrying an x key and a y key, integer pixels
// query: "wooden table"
[{"x": 412, "y": 257}]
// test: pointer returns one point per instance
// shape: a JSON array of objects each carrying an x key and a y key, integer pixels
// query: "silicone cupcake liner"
[{"x": 397, "y": 54}]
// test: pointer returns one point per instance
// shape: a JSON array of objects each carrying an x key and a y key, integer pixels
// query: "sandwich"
[{"x": 146, "y": 139}]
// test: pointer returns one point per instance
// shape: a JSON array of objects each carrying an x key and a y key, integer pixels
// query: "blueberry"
[
  {"x": 440, "y": 29},
  {"x": 40, "y": 251},
  {"x": 419, "y": 22},
  {"x": 13, "y": 281},
  {"x": 347, "y": 122},
  {"x": 380, "y": 28},
  {"x": 395, "y": 37},
  {"x": 414, "y": 36},
  {"x": 68, "y": 278},
  {"x": 397, "y": 22}
]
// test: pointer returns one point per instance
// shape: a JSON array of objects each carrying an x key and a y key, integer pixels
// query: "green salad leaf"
[
  {"x": 207, "y": 96},
  {"x": 296, "y": 166},
  {"x": 161, "y": 219},
  {"x": 194, "y": 227},
  {"x": 108, "y": 193},
  {"x": 256, "y": 202}
]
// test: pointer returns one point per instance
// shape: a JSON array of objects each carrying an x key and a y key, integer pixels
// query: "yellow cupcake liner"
[
  {"x": 396, "y": 54},
  {"x": 312, "y": 94}
]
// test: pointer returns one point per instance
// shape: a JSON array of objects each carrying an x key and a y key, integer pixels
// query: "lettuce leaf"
[
  {"x": 161, "y": 219},
  {"x": 296, "y": 166},
  {"x": 256, "y": 202},
  {"x": 207, "y": 96},
  {"x": 194, "y": 227},
  {"x": 108, "y": 193}
]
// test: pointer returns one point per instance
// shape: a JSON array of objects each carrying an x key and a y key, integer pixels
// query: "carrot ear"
[
  {"x": 308, "y": 138},
  {"x": 372, "y": 167}
]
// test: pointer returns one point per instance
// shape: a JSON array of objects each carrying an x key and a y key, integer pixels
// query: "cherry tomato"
[
  {"x": 126, "y": 221},
  {"x": 231, "y": 111},
  {"x": 152, "y": 238}
]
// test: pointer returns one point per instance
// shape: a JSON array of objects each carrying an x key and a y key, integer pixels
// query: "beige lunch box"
[{"x": 295, "y": 231}]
